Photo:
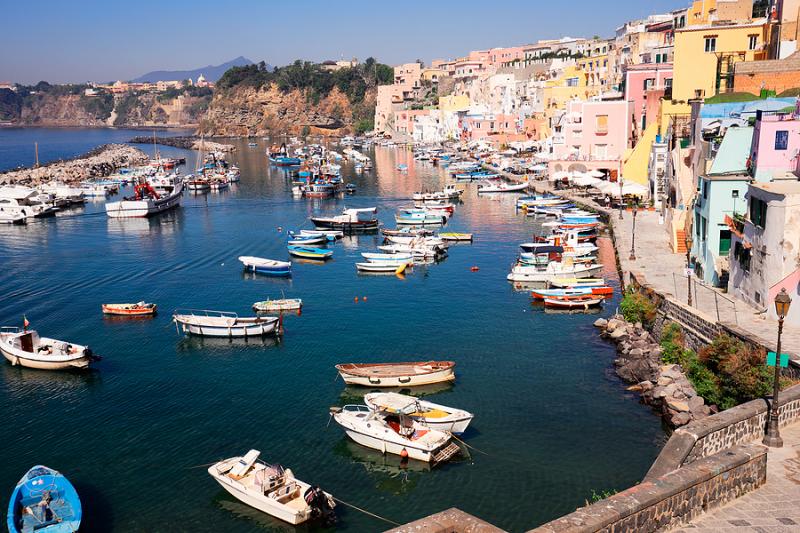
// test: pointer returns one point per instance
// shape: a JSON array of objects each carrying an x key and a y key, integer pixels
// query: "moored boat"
[
  {"x": 207, "y": 323},
  {"x": 429, "y": 414},
  {"x": 573, "y": 302},
  {"x": 146, "y": 201},
  {"x": 350, "y": 221},
  {"x": 284, "y": 304},
  {"x": 449, "y": 236},
  {"x": 307, "y": 252},
  {"x": 268, "y": 267},
  {"x": 137, "y": 309},
  {"x": 397, "y": 374},
  {"x": 26, "y": 348},
  {"x": 572, "y": 282},
  {"x": 44, "y": 501}
]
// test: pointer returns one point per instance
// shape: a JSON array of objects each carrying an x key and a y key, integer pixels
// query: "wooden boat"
[
  {"x": 578, "y": 282},
  {"x": 284, "y": 304},
  {"x": 382, "y": 267},
  {"x": 429, "y": 414},
  {"x": 44, "y": 501},
  {"x": 301, "y": 240},
  {"x": 419, "y": 217},
  {"x": 268, "y": 267},
  {"x": 331, "y": 235},
  {"x": 350, "y": 221},
  {"x": 552, "y": 271},
  {"x": 541, "y": 294},
  {"x": 26, "y": 348},
  {"x": 392, "y": 431},
  {"x": 308, "y": 252},
  {"x": 206, "y": 323},
  {"x": 272, "y": 489},
  {"x": 407, "y": 232},
  {"x": 573, "y": 302},
  {"x": 397, "y": 374},
  {"x": 456, "y": 236},
  {"x": 389, "y": 258},
  {"x": 137, "y": 309}
]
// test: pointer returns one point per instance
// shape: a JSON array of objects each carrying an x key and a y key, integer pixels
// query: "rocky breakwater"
[
  {"x": 102, "y": 161},
  {"x": 187, "y": 142},
  {"x": 663, "y": 386}
]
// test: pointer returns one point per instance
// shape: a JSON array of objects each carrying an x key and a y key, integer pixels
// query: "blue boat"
[
  {"x": 44, "y": 501},
  {"x": 579, "y": 219},
  {"x": 268, "y": 267},
  {"x": 307, "y": 252},
  {"x": 283, "y": 161}
]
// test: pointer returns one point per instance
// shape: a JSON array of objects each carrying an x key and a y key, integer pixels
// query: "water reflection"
[
  {"x": 194, "y": 344},
  {"x": 353, "y": 394},
  {"x": 65, "y": 386}
]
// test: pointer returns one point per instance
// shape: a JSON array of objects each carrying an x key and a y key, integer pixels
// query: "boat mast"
[{"x": 36, "y": 149}]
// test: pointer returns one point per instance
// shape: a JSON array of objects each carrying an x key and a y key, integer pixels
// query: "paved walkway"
[{"x": 772, "y": 508}]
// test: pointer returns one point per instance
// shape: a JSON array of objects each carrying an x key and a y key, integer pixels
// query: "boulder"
[
  {"x": 696, "y": 403},
  {"x": 678, "y": 405},
  {"x": 645, "y": 386},
  {"x": 636, "y": 353},
  {"x": 614, "y": 324},
  {"x": 680, "y": 419},
  {"x": 658, "y": 392},
  {"x": 618, "y": 334},
  {"x": 600, "y": 323}
]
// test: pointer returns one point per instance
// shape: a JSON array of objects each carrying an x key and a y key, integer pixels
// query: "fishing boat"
[
  {"x": 577, "y": 282},
  {"x": 44, "y": 501},
  {"x": 427, "y": 413},
  {"x": 330, "y": 234},
  {"x": 541, "y": 294},
  {"x": 391, "y": 431},
  {"x": 350, "y": 221},
  {"x": 268, "y": 267},
  {"x": 137, "y": 309},
  {"x": 573, "y": 302},
  {"x": 272, "y": 489},
  {"x": 146, "y": 201},
  {"x": 456, "y": 236},
  {"x": 502, "y": 187},
  {"x": 25, "y": 348},
  {"x": 307, "y": 252},
  {"x": 284, "y": 304},
  {"x": 436, "y": 206},
  {"x": 197, "y": 184},
  {"x": 397, "y": 374},
  {"x": 205, "y": 323},
  {"x": 383, "y": 267}
]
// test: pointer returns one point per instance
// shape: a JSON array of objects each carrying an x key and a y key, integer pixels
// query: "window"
[
  {"x": 781, "y": 139},
  {"x": 668, "y": 83},
  {"x": 601, "y": 125},
  {"x": 753, "y": 42},
  {"x": 724, "y": 242},
  {"x": 572, "y": 82},
  {"x": 758, "y": 212},
  {"x": 742, "y": 254},
  {"x": 705, "y": 189},
  {"x": 649, "y": 83},
  {"x": 711, "y": 44},
  {"x": 601, "y": 151}
]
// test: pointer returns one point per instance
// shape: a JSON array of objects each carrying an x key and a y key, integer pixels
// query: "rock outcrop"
[
  {"x": 101, "y": 161},
  {"x": 247, "y": 111},
  {"x": 664, "y": 387}
]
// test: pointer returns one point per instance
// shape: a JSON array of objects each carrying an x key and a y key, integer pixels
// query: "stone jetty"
[
  {"x": 187, "y": 142},
  {"x": 99, "y": 162},
  {"x": 663, "y": 387}
]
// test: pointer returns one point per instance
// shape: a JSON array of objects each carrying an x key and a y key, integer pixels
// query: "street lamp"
[
  {"x": 632, "y": 257},
  {"x": 772, "y": 438},
  {"x": 619, "y": 180},
  {"x": 688, "y": 268}
]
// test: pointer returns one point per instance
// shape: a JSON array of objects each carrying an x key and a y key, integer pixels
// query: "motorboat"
[
  {"x": 25, "y": 201},
  {"x": 146, "y": 201},
  {"x": 407, "y": 232},
  {"x": 350, "y": 221},
  {"x": 541, "y": 294},
  {"x": 308, "y": 252},
  {"x": 44, "y": 501},
  {"x": 12, "y": 217},
  {"x": 427, "y": 413},
  {"x": 502, "y": 187},
  {"x": 330, "y": 234},
  {"x": 553, "y": 270},
  {"x": 419, "y": 217},
  {"x": 268, "y": 267},
  {"x": 205, "y": 323},
  {"x": 284, "y": 304},
  {"x": 395, "y": 259},
  {"x": 303, "y": 240},
  {"x": 198, "y": 184},
  {"x": 272, "y": 489},
  {"x": 137, "y": 309},
  {"x": 26, "y": 348},
  {"x": 391, "y": 431},
  {"x": 397, "y": 374}
]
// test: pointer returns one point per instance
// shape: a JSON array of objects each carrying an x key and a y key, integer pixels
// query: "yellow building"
[
  {"x": 433, "y": 74},
  {"x": 454, "y": 103},
  {"x": 569, "y": 85},
  {"x": 705, "y": 12}
]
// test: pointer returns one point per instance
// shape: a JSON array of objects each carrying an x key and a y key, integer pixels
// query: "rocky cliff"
[{"x": 243, "y": 111}]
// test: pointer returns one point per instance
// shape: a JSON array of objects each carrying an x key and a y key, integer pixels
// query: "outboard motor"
[{"x": 321, "y": 505}]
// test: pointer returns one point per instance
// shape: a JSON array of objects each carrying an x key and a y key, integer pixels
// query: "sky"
[{"x": 63, "y": 41}]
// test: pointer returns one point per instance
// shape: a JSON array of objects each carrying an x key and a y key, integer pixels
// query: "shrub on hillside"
[{"x": 636, "y": 307}]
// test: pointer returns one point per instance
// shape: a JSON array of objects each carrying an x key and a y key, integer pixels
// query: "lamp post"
[
  {"x": 619, "y": 180},
  {"x": 632, "y": 257},
  {"x": 772, "y": 438},
  {"x": 688, "y": 269}
]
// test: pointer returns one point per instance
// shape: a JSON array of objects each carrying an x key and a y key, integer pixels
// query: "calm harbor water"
[{"x": 552, "y": 421}]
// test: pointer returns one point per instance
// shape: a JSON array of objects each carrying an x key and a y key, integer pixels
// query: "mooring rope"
[
  {"x": 468, "y": 446},
  {"x": 366, "y": 512}
]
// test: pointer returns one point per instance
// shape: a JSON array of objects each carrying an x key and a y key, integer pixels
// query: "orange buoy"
[
  {"x": 363, "y": 298},
  {"x": 404, "y": 453},
  {"x": 355, "y": 299},
  {"x": 474, "y": 269}
]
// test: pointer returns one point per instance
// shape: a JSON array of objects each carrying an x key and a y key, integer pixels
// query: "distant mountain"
[{"x": 211, "y": 72}]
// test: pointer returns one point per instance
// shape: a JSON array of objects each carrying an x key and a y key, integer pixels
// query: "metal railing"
[{"x": 708, "y": 299}]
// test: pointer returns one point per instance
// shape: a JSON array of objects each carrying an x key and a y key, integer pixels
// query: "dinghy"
[
  {"x": 308, "y": 252},
  {"x": 268, "y": 267},
  {"x": 456, "y": 236},
  {"x": 206, "y": 323},
  {"x": 397, "y": 374},
  {"x": 137, "y": 309},
  {"x": 26, "y": 348},
  {"x": 272, "y": 489},
  {"x": 429, "y": 414},
  {"x": 573, "y": 302},
  {"x": 330, "y": 234},
  {"x": 301, "y": 240},
  {"x": 382, "y": 267},
  {"x": 44, "y": 501},
  {"x": 576, "y": 282},
  {"x": 285, "y": 304}
]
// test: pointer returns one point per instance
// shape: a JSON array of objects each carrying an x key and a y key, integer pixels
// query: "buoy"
[
  {"x": 363, "y": 298},
  {"x": 280, "y": 228},
  {"x": 355, "y": 299},
  {"x": 474, "y": 269},
  {"x": 404, "y": 453}
]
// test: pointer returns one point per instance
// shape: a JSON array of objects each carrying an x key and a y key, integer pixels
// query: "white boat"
[
  {"x": 12, "y": 217},
  {"x": 351, "y": 220},
  {"x": 284, "y": 304},
  {"x": 303, "y": 240},
  {"x": 397, "y": 374},
  {"x": 19, "y": 200},
  {"x": 552, "y": 271},
  {"x": 384, "y": 267},
  {"x": 418, "y": 252},
  {"x": 272, "y": 489},
  {"x": 429, "y": 414},
  {"x": 26, "y": 348},
  {"x": 502, "y": 187},
  {"x": 396, "y": 433},
  {"x": 389, "y": 259},
  {"x": 207, "y": 323},
  {"x": 94, "y": 190},
  {"x": 331, "y": 234},
  {"x": 146, "y": 201}
]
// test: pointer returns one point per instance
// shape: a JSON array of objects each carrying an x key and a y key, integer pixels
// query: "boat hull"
[
  {"x": 348, "y": 227},
  {"x": 263, "y": 504},
  {"x": 400, "y": 381},
  {"x": 18, "y": 358},
  {"x": 237, "y": 330},
  {"x": 144, "y": 208}
]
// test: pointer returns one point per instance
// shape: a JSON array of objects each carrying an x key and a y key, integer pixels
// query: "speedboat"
[
  {"x": 137, "y": 309},
  {"x": 19, "y": 200},
  {"x": 268, "y": 267},
  {"x": 429, "y": 414},
  {"x": 307, "y": 252},
  {"x": 223, "y": 324},
  {"x": 392, "y": 431},
  {"x": 272, "y": 489},
  {"x": 502, "y": 187},
  {"x": 44, "y": 501},
  {"x": 26, "y": 348},
  {"x": 11, "y": 217},
  {"x": 553, "y": 270}
]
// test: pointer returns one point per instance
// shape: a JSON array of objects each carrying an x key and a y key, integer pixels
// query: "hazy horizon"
[{"x": 62, "y": 42}]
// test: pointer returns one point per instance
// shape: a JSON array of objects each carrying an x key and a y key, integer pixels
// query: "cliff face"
[
  {"x": 250, "y": 111},
  {"x": 62, "y": 110}
]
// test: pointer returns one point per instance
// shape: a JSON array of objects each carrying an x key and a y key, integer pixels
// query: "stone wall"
[
  {"x": 672, "y": 499},
  {"x": 450, "y": 521}
]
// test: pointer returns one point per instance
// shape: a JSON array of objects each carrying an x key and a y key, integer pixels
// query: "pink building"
[
  {"x": 644, "y": 78},
  {"x": 499, "y": 57},
  {"x": 478, "y": 127},
  {"x": 776, "y": 145}
]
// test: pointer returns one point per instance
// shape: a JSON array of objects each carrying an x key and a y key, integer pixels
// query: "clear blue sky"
[{"x": 89, "y": 40}]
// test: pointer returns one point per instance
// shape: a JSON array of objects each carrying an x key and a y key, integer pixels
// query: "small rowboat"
[
  {"x": 456, "y": 236},
  {"x": 308, "y": 252},
  {"x": 382, "y": 266},
  {"x": 541, "y": 294},
  {"x": 285, "y": 304},
  {"x": 330, "y": 234},
  {"x": 223, "y": 324},
  {"x": 44, "y": 501},
  {"x": 137, "y": 309},
  {"x": 268, "y": 267},
  {"x": 573, "y": 302},
  {"x": 578, "y": 282},
  {"x": 397, "y": 374},
  {"x": 300, "y": 240}
]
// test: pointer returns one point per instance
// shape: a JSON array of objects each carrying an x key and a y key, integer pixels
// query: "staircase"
[{"x": 680, "y": 242}]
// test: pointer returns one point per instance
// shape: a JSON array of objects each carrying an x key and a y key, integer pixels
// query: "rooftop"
[
  {"x": 781, "y": 187},
  {"x": 733, "y": 152}
]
